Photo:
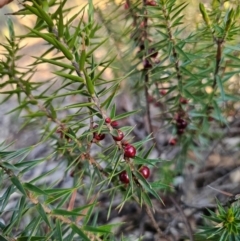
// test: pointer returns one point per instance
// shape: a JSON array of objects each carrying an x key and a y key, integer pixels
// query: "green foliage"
[
  {"x": 195, "y": 66},
  {"x": 223, "y": 225}
]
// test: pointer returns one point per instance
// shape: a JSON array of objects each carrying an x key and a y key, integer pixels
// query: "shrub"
[{"x": 109, "y": 69}]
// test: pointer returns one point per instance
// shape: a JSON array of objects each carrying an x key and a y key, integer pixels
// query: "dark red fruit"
[
  {"x": 96, "y": 136},
  {"x": 72, "y": 173},
  {"x": 129, "y": 151},
  {"x": 146, "y": 64},
  {"x": 119, "y": 137},
  {"x": 108, "y": 120},
  {"x": 153, "y": 53},
  {"x": 144, "y": 170},
  {"x": 126, "y": 6},
  {"x": 210, "y": 118},
  {"x": 99, "y": 136},
  {"x": 157, "y": 104},
  {"x": 163, "y": 92},
  {"x": 114, "y": 123},
  {"x": 183, "y": 101},
  {"x": 181, "y": 124},
  {"x": 123, "y": 177},
  {"x": 151, "y": 3},
  {"x": 173, "y": 142},
  {"x": 150, "y": 99},
  {"x": 142, "y": 24},
  {"x": 180, "y": 131},
  {"x": 141, "y": 47}
]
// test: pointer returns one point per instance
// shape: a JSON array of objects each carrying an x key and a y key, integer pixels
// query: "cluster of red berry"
[
  {"x": 101, "y": 136},
  {"x": 144, "y": 170},
  {"x": 129, "y": 150},
  {"x": 181, "y": 125}
]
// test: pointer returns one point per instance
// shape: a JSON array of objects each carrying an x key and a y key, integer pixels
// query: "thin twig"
[
  {"x": 150, "y": 215},
  {"x": 188, "y": 226}
]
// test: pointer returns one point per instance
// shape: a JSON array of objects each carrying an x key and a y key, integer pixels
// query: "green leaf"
[
  {"x": 74, "y": 78},
  {"x": 33, "y": 10},
  {"x": 76, "y": 34},
  {"x": 43, "y": 214},
  {"x": 60, "y": 8},
  {"x": 33, "y": 188},
  {"x": 124, "y": 115},
  {"x": 48, "y": 37},
  {"x": 89, "y": 84},
  {"x": 54, "y": 62},
  {"x": 82, "y": 60},
  {"x": 2, "y": 238},
  {"x": 96, "y": 229},
  {"x": 4, "y": 199},
  {"x": 64, "y": 49},
  {"x": 158, "y": 185},
  {"x": 11, "y": 29},
  {"x": 18, "y": 185},
  {"x": 147, "y": 199},
  {"x": 43, "y": 14},
  {"x": 141, "y": 161},
  {"x": 146, "y": 185},
  {"x": 109, "y": 100},
  {"x": 220, "y": 85},
  {"x": 78, "y": 105},
  {"x": 60, "y": 21},
  {"x": 32, "y": 238},
  {"x": 78, "y": 231},
  {"x": 59, "y": 231},
  {"x": 65, "y": 212},
  {"x": 9, "y": 166},
  {"x": 62, "y": 190}
]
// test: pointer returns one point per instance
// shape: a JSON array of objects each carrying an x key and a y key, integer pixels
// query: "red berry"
[
  {"x": 126, "y": 6},
  {"x": 153, "y": 53},
  {"x": 210, "y": 118},
  {"x": 119, "y": 137},
  {"x": 144, "y": 170},
  {"x": 108, "y": 120},
  {"x": 180, "y": 131},
  {"x": 146, "y": 64},
  {"x": 183, "y": 101},
  {"x": 181, "y": 123},
  {"x": 129, "y": 151},
  {"x": 142, "y": 24},
  {"x": 141, "y": 47},
  {"x": 150, "y": 99},
  {"x": 114, "y": 123},
  {"x": 99, "y": 136},
  {"x": 157, "y": 104},
  {"x": 123, "y": 177},
  {"x": 163, "y": 92},
  {"x": 173, "y": 142},
  {"x": 72, "y": 173},
  {"x": 96, "y": 136},
  {"x": 151, "y": 3}
]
